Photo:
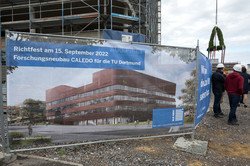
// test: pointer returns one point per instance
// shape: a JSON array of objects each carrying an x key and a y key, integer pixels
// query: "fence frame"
[{"x": 192, "y": 133}]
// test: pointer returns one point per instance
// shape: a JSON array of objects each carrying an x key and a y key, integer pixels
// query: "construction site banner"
[
  {"x": 204, "y": 87},
  {"x": 56, "y": 96},
  {"x": 46, "y": 54},
  {"x": 167, "y": 117}
]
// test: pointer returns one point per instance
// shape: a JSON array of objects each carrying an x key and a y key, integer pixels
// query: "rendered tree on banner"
[
  {"x": 212, "y": 47},
  {"x": 188, "y": 97},
  {"x": 34, "y": 109}
]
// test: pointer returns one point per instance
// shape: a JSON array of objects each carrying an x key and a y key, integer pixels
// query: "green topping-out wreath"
[{"x": 211, "y": 46}]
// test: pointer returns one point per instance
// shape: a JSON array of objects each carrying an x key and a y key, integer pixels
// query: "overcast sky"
[{"x": 186, "y": 21}]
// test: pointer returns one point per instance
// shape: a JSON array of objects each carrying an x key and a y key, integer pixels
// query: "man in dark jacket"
[
  {"x": 234, "y": 87},
  {"x": 246, "y": 77},
  {"x": 218, "y": 79}
]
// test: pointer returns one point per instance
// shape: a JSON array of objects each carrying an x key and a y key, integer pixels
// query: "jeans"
[
  {"x": 241, "y": 98},
  {"x": 217, "y": 99},
  {"x": 233, "y": 101}
]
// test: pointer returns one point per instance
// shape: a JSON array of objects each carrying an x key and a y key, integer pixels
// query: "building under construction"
[
  {"x": 132, "y": 20},
  {"x": 86, "y": 18}
]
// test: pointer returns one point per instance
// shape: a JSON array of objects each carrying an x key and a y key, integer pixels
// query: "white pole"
[{"x": 216, "y": 12}]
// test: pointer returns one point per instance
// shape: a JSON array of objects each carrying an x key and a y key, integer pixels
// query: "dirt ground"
[
  {"x": 28, "y": 160},
  {"x": 227, "y": 145}
]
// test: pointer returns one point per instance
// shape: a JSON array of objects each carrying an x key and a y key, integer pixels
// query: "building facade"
[
  {"x": 114, "y": 96},
  {"x": 86, "y": 18}
]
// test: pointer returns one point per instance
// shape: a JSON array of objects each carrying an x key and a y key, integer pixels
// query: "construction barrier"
[{"x": 73, "y": 91}]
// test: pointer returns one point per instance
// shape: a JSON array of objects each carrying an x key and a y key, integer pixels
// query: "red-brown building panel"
[{"x": 113, "y": 93}]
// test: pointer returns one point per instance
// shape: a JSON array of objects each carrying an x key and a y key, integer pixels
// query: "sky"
[{"x": 188, "y": 22}]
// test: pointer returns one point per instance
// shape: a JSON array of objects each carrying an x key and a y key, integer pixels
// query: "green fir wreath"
[{"x": 211, "y": 46}]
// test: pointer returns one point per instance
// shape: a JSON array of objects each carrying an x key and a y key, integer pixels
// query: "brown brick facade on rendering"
[{"x": 114, "y": 96}]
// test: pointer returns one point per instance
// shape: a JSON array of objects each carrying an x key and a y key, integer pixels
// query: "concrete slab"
[
  {"x": 191, "y": 146},
  {"x": 7, "y": 158}
]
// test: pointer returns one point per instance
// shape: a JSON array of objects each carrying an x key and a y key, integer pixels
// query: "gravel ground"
[{"x": 227, "y": 145}]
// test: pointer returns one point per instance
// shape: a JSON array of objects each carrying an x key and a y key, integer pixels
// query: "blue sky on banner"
[{"x": 184, "y": 22}]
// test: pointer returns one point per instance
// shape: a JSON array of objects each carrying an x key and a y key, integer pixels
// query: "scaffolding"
[{"x": 83, "y": 17}]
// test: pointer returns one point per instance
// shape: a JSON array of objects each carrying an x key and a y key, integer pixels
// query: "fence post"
[
  {"x": 196, "y": 87},
  {"x": 1, "y": 95}
]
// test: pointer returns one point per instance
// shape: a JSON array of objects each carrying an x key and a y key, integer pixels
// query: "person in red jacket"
[{"x": 234, "y": 87}]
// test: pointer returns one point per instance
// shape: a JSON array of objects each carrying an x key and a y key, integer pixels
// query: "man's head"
[
  {"x": 237, "y": 67},
  {"x": 220, "y": 66}
]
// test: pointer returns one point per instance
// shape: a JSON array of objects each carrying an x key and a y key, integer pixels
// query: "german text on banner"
[
  {"x": 204, "y": 87},
  {"x": 43, "y": 54}
]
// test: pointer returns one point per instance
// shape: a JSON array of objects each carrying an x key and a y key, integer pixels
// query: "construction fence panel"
[{"x": 70, "y": 91}]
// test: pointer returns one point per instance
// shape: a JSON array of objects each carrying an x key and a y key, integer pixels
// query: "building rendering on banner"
[{"x": 114, "y": 96}]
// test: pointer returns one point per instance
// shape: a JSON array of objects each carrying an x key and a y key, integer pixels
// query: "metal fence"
[{"x": 69, "y": 91}]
